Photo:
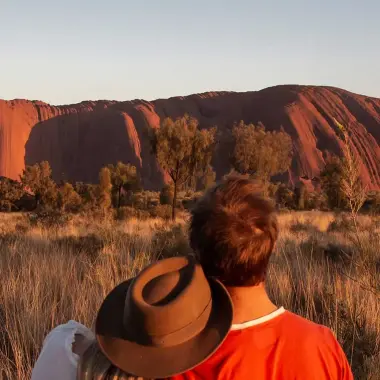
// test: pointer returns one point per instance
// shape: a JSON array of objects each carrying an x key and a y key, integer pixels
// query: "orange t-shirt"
[{"x": 281, "y": 345}]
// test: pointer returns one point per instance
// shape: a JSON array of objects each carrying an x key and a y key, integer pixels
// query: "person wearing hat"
[{"x": 165, "y": 321}]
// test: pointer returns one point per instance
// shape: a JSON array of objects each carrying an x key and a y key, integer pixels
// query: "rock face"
[{"x": 79, "y": 139}]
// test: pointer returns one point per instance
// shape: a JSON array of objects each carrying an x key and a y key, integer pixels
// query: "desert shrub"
[
  {"x": 208, "y": 179},
  {"x": 372, "y": 204},
  {"x": 285, "y": 197},
  {"x": 189, "y": 193},
  {"x": 123, "y": 176},
  {"x": 339, "y": 253},
  {"x": 300, "y": 227},
  {"x": 317, "y": 201},
  {"x": 68, "y": 199},
  {"x": 161, "y": 211},
  {"x": 188, "y": 203},
  {"x": 341, "y": 223},
  {"x": 88, "y": 193},
  {"x": 172, "y": 242},
  {"x": 308, "y": 276},
  {"x": 125, "y": 213},
  {"x": 90, "y": 244},
  {"x": 139, "y": 201},
  {"x": 144, "y": 200},
  {"x": 49, "y": 219},
  {"x": 272, "y": 153},
  {"x": 5, "y": 206},
  {"x": 10, "y": 194},
  {"x": 38, "y": 178},
  {"x": 22, "y": 227},
  {"x": 331, "y": 178}
]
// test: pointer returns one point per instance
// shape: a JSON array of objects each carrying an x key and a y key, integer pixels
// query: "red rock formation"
[{"x": 78, "y": 139}]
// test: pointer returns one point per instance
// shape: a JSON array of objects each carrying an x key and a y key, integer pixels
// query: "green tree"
[
  {"x": 123, "y": 176},
  {"x": 260, "y": 153},
  {"x": 105, "y": 188},
  {"x": 183, "y": 150},
  {"x": 68, "y": 199},
  {"x": 10, "y": 192},
  {"x": 88, "y": 193},
  {"x": 37, "y": 179},
  {"x": 332, "y": 182}
]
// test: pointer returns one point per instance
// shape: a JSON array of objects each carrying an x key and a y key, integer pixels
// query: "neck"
[{"x": 250, "y": 302}]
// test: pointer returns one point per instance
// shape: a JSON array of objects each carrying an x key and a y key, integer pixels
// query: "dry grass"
[{"x": 51, "y": 275}]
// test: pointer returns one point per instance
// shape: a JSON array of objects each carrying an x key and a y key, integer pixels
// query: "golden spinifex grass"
[{"x": 322, "y": 269}]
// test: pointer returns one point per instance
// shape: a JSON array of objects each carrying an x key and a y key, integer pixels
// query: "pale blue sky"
[{"x": 65, "y": 51}]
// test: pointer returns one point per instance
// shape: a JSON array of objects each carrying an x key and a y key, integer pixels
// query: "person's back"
[
  {"x": 233, "y": 231},
  {"x": 278, "y": 346}
]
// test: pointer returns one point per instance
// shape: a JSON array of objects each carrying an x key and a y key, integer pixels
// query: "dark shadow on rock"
[{"x": 78, "y": 145}]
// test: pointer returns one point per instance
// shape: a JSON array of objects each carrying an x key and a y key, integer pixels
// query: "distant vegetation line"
[{"x": 185, "y": 152}]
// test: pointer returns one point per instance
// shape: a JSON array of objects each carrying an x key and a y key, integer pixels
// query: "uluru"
[{"x": 79, "y": 139}]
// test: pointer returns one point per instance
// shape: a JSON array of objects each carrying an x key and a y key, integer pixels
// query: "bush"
[
  {"x": 372, "y": 204},
  {"x": 342, "y": 223},
  {"x": 125, "y": 213},
  {"x": 171, "y": 243},
  {"x": 51, "y": 218},
  {"x": 68, "y": 199},
  {"x": 285, "y": 197},
  {"x": 166, "y": 195},
  {"x": 188, "y": 203},
  {"x": 161, "y": 211},
  {"x": 144, "y": 200},
  {"x": 317, "y": 201},
  {"x": 88, "y": 193},
  {"x": 5, "y": 206}
]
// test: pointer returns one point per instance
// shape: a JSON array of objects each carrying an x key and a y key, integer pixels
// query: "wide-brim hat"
[{"x": 165, "y": 321}]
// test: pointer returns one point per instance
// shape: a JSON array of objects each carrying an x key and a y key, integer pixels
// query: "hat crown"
[
  {"x": 168, "y": 302},
  {"x": 161, "y": 290}
]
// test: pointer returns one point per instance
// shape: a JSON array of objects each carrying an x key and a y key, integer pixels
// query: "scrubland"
[{"x": 323, "y": 269}]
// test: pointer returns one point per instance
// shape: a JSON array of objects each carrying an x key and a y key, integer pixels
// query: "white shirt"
[{"x": 57, "y": 360}]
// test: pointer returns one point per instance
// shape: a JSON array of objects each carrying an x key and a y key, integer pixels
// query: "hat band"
[
  {"x": 185, "y": 333},
  {"x": 176, "y": 337}
]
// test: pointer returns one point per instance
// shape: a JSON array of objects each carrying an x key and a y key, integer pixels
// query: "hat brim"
[{"x": 160, "y": 362}]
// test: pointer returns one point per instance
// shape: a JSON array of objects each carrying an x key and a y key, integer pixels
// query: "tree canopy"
[
  {"x": 259, "y": 152},
  {"x": 183, "y": 150},
  {"x": 123, "y": 176},
  {"x": 10, "y": 192},
  {"x": 38, "y": 179}
]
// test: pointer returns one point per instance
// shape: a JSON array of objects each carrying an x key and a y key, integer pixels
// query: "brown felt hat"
[{"x": 165, "y": 321}]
